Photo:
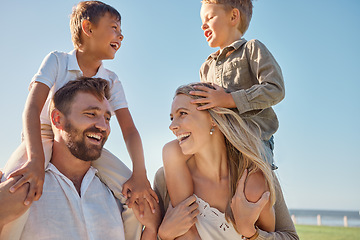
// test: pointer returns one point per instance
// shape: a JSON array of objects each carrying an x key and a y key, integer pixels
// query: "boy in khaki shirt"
[{"x": 245, "y": 76}]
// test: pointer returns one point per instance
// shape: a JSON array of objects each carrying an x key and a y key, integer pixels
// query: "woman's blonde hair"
[{"x": 243, "y": 145}]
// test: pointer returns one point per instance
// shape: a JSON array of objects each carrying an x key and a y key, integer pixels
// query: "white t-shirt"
[
  {"x": 58, "y": 68},
  {"x": 62, "y": 214}
]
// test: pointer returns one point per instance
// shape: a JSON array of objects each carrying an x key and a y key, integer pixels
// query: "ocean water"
[{"x": 328, "y": 217}]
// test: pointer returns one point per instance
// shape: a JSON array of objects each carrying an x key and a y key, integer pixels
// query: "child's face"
[
  {"x": 217, "y": 26},
  {"x": 106, "y": 37}
]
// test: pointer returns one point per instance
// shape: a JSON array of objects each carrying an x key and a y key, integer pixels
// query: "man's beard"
[{"x": 76, "y": 143}]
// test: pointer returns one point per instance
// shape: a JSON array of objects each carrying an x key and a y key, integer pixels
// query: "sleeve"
[
  {"x": 284, "y": 227},
  {"x": 117, "y": 99},
  {"x": 161, "y": 190},
  {"x": 48, "y": 71},
  {"x": 270, "y": 88}
]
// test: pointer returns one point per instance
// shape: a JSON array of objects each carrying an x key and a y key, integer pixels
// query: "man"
[{"x": 75, "y": 204}]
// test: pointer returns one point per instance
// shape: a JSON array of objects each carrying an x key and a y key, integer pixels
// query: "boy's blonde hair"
[
  {"x": 88, "y": 10},
  {"x": 244, "y": 6}
]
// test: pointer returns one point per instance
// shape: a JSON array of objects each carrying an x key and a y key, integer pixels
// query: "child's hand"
[
  {"x": 137, "y": 189},
  {"x": 150, "y": 220},
  {"x": 213, "y": 97},
  {"x": 31, "y": 173}
]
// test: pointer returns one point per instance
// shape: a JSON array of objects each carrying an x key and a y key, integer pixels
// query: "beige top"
[
  {"x": 284, "y": 227},
  {"x": 253, "y": 77}
]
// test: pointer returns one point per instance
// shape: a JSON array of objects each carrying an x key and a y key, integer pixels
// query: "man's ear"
[
  {"x": 57, "y": 119},
  {"x": 86, "y": 27}
]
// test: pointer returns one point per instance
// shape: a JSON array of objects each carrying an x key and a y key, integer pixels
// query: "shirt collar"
[
  {"x": 72, "y": 61},
  {"x": 73, "y": 65},
  {"x": 235, "y": 45}
]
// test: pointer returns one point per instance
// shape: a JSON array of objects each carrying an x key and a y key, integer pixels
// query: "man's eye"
[
  {"x": 114, "y": 27},
  {"x": 90, "y": 114},
  {"x": 182, "y": 113},
  {"x": 171, "y": 118}
]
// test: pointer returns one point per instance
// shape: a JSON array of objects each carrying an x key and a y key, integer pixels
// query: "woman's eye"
[{"x": 182, "y": 113}]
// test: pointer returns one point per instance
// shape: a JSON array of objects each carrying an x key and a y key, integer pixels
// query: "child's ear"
[
  {"x": 235, "y": 15},
  {"x": 86, "y": 27},
  {"x": 57, "y": 119}
]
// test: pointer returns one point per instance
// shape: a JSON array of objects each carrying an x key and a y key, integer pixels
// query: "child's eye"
[
  {"x": 171, "y": 118},
  {"x": 182, "y": 113},
  {"x": 89, "y": 114},
  {"x": 114, "y": 27}
]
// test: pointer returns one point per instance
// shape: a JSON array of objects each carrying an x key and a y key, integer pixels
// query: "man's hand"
[
  {"x": 246, "y": 213},
  {"x": 11, "y": 204},
  {"x": 213, "y": 97},
  {"x": 31, "y": 172},
  {"x": 138, "y": 189}
]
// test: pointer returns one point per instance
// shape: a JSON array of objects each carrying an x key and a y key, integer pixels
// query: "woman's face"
[{"x": 190, "y": 126}]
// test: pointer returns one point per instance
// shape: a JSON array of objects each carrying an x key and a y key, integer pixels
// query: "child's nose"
[{"x": 204, "y": 26}]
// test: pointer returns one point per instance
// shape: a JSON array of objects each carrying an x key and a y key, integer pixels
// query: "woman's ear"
[
  {"x": 86, "y": 27},
  {"x": 57, "y": 119}
]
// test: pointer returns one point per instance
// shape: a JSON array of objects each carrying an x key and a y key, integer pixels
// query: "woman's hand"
[
  {"x": 179, "y": 220},
  {"x": 245, "y": 212}
]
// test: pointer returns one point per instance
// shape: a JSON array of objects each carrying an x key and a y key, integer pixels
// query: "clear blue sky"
[{"x": 315, "y": 43}]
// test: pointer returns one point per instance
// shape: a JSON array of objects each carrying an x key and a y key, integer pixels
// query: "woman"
[{"x": 222, "y": 150}]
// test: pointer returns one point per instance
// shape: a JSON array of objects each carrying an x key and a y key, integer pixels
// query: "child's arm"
[
  {"x": 178, "y": 178},
  {"x": 32, "y": 170},
  {"x": 255, "y": 187},
  {"x": 247, "y": 213},
  {"x": 138, "y": 184}
]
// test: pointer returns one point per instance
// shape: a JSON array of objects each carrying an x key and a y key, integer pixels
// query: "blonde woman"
[{"x": 223, "y": 149}]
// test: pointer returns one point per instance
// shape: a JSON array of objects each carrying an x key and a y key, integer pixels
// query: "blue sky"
[{"x": 315, "y": 43}]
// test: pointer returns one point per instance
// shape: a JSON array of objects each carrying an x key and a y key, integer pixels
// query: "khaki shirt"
[{"x": 251, "y": 74}]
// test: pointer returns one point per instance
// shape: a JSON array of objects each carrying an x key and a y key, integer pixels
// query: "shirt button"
[{"x": 219, "y": 62}]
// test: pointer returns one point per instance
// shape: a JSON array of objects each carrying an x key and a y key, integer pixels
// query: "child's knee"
[{"x": 255, "y": 186}]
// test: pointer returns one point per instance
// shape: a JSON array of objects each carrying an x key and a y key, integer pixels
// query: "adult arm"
[
  {"x": 11, "y": 204},
  {"x": 284, "y": 227}
]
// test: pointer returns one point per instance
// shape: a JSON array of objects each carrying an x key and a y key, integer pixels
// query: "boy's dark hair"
[
  {"x": 88, "y": 10},
  {"x": 65, "y": 95},
  {"x": 244, "y": 6}
]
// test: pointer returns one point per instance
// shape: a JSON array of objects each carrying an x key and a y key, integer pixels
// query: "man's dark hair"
[{"x": 65, "y": 95}]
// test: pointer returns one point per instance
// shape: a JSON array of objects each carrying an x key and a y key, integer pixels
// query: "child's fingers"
[
  {"x": 17, "y": 172},
  {"x": 38, "y": 194},
  {"x": 151, "y": 202},
  {"x": 18, "y": 184},
  {"x": 30, "y": 196},
  {"x": 141, "y": 208},
  {"x": 203, "y": 88},
  {"x": 206, "y": 106},
  {"x": 199, "y": 93},
  {"x": 125, "y": 190},
  {"x": 153, "y": 194}
]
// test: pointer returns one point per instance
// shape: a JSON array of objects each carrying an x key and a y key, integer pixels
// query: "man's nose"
[{"x": 102, "y": 124}]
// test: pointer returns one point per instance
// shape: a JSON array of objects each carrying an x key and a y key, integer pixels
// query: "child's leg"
[
  {"x": 114, "y": 173},
  {"x": 19, "y": 157},
  {"x": 254, "y": 188},
  {"x": 178, "y": 178}
]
